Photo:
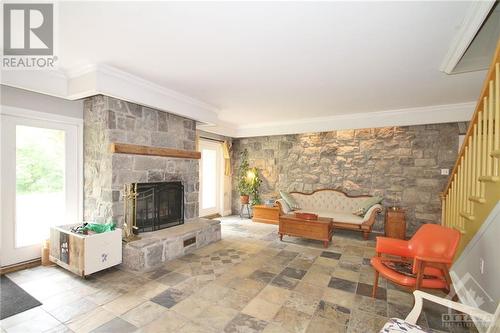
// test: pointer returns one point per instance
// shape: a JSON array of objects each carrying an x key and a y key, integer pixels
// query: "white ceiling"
[{"x": 264, "y": 62}]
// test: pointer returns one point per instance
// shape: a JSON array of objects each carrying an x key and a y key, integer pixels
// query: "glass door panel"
[
  {"x": 209, "y": 191},
  {"x": 40, "y": 169},
  {"x": 210, "y": 164},
  {"x": 41, "y": 180}
]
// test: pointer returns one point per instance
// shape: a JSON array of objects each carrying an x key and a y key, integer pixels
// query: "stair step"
[
  {"x": 495, "y": 153},
  {"x": 477, "y": 199},
  {"x": 467, "y": 216},
  {"x": 491, "y": 179}
]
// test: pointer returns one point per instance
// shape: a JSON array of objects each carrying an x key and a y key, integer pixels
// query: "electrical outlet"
[
  {"x": 481, "y": 265},
  {"x": 445, "y": 172}
]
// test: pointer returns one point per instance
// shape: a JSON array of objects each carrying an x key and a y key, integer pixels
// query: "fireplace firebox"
[{"x": 158, "y": 205}]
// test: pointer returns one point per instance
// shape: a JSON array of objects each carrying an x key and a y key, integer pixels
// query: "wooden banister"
[{"x": 484, "y": 92}]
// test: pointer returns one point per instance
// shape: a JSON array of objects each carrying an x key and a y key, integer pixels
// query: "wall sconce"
[{"x": 250, "y": 175}]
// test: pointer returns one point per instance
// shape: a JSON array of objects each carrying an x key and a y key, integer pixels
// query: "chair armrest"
[
  {"x": 371, "y": 213},
  {"x": 433, "y": 260},
  {"x": 394, "y": 246},
  {"x": 420, "y": 296}
]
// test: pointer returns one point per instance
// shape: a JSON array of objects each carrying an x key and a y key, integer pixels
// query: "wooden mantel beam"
[{"x": 125, "y": 148}]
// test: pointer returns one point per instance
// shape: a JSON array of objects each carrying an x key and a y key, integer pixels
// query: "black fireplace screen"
[{"x": 159, "y": 205}]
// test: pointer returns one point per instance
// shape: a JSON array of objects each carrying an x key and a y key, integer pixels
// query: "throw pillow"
[
  {"x": 359, "y": 212},
  {"x": 395, "y": 325},
  {"x": 284, "y": 206},
  {"x": 290, "y": 200},
  {"x": 364, "y": 206}
]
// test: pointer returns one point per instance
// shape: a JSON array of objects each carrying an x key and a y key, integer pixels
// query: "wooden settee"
[{"x": 339, "y": 206}]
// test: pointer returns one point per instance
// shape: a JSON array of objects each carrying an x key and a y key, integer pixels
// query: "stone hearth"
[{"x": 154, "y": 248}]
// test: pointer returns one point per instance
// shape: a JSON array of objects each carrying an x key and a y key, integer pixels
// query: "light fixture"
[{"x": 250, "y": 175}]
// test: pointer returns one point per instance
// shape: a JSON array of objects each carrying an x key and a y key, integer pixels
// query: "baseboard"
[
  {"x": 20, "y": 266},
  {"x": 211, "y": 216}
]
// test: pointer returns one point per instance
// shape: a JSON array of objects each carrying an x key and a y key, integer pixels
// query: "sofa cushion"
[
  {"x": 290, "y": 200},
  {"x": 365, "y": 205},
  {"x": 343, "y": 217}
]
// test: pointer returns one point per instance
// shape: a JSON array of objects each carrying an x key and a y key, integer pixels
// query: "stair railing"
[{"x": 479, "y": 157}]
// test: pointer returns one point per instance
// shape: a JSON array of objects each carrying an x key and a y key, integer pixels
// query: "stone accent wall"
[
  {"x": 108, "y": 120},
  {"x": 400, "y": 163}
]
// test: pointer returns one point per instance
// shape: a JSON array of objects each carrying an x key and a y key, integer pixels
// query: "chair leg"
[
  {"x": 420, "y": 274},
  {"x": 447, "y": 278},
  {"x": 375, "y": 284}
]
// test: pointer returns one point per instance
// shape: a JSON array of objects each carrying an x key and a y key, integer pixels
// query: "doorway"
[
  {"x": 210, "y": 177},
  {"x": 41, "y": 180}
]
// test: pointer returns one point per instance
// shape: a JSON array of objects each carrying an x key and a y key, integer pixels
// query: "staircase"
[{"x": 474, "y": 185}]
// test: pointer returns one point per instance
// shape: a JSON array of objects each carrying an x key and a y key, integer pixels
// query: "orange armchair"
[{"x": 421, "y": 262}]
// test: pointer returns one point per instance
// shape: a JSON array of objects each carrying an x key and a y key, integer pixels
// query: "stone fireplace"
[{"x": 108, "y": 121}]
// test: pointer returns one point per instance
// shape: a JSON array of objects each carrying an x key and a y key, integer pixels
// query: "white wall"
[
  {"x": 25, "y": 99},
  {"x": 467, "y": 268}
]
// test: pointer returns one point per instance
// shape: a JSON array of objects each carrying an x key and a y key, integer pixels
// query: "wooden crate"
[
  {"x": 85, "y": 254},
  {"x": 320, "y": 229}
]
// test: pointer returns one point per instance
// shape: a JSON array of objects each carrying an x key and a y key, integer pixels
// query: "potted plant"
[
  {"x": 243, "y": 185},
  {"x": 254, "y": 182}
]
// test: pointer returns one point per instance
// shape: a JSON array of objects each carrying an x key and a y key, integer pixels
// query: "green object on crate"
[{"x": 100, "y": 228}]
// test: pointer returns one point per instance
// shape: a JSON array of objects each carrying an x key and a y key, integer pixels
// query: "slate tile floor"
[{"x": 247, "y": 282}]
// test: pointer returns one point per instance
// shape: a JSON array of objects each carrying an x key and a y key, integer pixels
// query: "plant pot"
[{"x": 244, "y": 199}]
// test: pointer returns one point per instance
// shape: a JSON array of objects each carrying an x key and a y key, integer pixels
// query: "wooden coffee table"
[{"x": 320, "y": 229}]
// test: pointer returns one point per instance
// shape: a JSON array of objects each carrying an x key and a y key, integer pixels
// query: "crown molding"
[
  {"x": 53, "y": 83},
  {"x": 476, "y": 14},
  {"x": 221, "y": 128},
  {"x": 116, "y": 83},
  {"x": 80, "y": 69},
  {"x": 87, "y": 80},
  {"x": 90, "y": 79},
  {"x": 398, "y": 117}
]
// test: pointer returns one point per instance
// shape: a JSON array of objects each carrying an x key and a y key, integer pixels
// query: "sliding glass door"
[{"x": 41, "y": 181}]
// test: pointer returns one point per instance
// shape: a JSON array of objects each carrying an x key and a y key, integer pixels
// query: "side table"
[
  {"x": 242, "y": 210},
  {"x": 395, "y": 223}
]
